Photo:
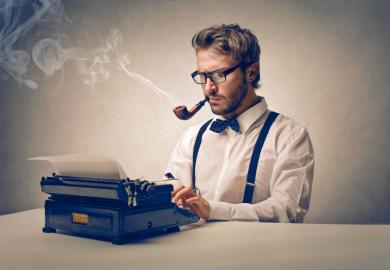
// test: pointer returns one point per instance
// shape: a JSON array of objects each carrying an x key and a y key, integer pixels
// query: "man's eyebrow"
[{"x": 215, "y": 70}]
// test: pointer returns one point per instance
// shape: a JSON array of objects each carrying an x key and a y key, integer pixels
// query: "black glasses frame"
[{"x": 209, "y": 74}]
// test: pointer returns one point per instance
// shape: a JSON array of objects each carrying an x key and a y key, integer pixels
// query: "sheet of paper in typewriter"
[{"x": 85, "y": 165}]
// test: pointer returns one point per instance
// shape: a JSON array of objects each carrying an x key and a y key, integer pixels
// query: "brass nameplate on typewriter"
[{"x": 80, "y": 218}]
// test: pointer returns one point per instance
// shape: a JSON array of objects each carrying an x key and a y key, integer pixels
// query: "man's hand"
[{"x": 186, "y": 197}]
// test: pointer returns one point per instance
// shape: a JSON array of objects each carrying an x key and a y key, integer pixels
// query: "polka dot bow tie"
[{"x": 219, "y": 125}]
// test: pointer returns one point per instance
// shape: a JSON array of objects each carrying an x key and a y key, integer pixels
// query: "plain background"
[{"x": 323, "y": 63}]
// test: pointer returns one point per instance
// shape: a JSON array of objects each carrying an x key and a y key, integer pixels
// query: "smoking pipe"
[{"x": 182, "y": 113}]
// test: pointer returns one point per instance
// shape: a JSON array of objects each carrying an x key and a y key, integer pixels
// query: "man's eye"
[{"x": 218, "y": 75}]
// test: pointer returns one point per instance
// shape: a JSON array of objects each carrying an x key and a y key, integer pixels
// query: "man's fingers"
[
  {"x": 176, "y": 190},
  {"x": 194, "y": 204},
  {"x": 179, "y": 203},
  {"x": 193, "y": 200},
  {"x": 193, "y": 210},
  {"x": 182, "y": 203},
  {"x": 187, "y": 198},
  {"x": 184, "y": 193}
]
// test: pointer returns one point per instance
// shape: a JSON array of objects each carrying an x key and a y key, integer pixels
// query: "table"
[{"x": 204, "y": 245}]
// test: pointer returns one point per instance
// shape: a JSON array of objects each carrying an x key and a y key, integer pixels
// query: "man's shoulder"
[
  {"x": 286, "y": 122},
  {"x": 287, "y": 129}
]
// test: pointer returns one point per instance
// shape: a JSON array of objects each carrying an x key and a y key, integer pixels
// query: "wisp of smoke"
[
  {"x": 17, "y": 18},
  {"x": 113, "y": 52},
  {"x": 50, "y": 55}
]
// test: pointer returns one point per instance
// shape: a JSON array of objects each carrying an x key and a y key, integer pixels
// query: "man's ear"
[{"x": 252, "y": 71}]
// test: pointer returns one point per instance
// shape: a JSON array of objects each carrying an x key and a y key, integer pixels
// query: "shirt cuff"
[
  {"x": 229, "y": 211},
  {"x": 219, "y": 211}
]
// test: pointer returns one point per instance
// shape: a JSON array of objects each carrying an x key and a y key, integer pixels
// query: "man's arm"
[{"x": 180, "y": 161}]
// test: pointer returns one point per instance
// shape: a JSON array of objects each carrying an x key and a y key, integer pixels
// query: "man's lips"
[{"x": 214, "y": 99}]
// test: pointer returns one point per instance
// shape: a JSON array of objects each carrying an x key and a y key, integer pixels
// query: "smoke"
[
  {"x": 114, "y": 45},
  {"x": 17, "y": 18},
  {"x": 50, "y": 54}
]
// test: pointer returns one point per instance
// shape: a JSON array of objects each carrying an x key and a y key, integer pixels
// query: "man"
[{"x": 248, "y": 163}]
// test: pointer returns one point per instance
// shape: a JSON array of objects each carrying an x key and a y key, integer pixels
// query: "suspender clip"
[{"x": 250, "y": 184}]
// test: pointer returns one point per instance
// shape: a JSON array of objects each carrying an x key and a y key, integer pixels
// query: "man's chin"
[{"x": 217, "y": 110}]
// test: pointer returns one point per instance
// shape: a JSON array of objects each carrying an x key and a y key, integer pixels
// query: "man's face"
[{"x": 225, "y": 97}]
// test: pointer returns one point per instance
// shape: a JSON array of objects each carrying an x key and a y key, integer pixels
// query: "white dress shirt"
[{"x": 284, "y": 174}]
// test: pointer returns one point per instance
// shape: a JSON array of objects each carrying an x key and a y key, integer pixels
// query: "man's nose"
[{"x": 210, "y": 87}]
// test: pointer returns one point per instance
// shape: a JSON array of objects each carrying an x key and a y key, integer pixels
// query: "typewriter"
[{"x": 108, "y": 209}]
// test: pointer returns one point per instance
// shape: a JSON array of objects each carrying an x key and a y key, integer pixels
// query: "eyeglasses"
[{"x": 216, "y": 76}]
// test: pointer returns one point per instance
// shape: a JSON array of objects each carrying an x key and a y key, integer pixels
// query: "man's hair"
[{"x": 230, "y": 39}]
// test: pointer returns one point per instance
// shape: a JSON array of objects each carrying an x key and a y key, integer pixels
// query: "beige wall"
[{"x": 323, "y": 63}]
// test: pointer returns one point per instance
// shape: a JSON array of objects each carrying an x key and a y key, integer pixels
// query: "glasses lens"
[
  {"x": 199, "y": 78},
  {"x": 217, "y": 77}
]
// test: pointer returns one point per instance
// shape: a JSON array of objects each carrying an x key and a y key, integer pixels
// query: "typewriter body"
[{"x": 116, "y": 210}]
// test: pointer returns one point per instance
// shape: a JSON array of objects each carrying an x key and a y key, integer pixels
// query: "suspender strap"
[
  {"x": 248, "y": 193},
  {"x": 198, "y": 141},
  {"x": 249, "y": 187}
]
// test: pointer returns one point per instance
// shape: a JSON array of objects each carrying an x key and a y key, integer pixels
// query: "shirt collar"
[{"x": 248, "y": 117}]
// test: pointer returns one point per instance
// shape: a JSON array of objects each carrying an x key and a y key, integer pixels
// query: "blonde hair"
[{"x": 232, "y": 40}]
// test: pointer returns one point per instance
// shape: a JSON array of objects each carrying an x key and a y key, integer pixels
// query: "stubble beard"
[{"x": 233, "y": 101}]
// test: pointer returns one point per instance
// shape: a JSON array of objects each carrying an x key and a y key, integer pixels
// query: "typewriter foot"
[
  {"x": 117, "y": 241},
  {"x": 173, "y": 229},
  {"x": 48, "y": 230}
]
